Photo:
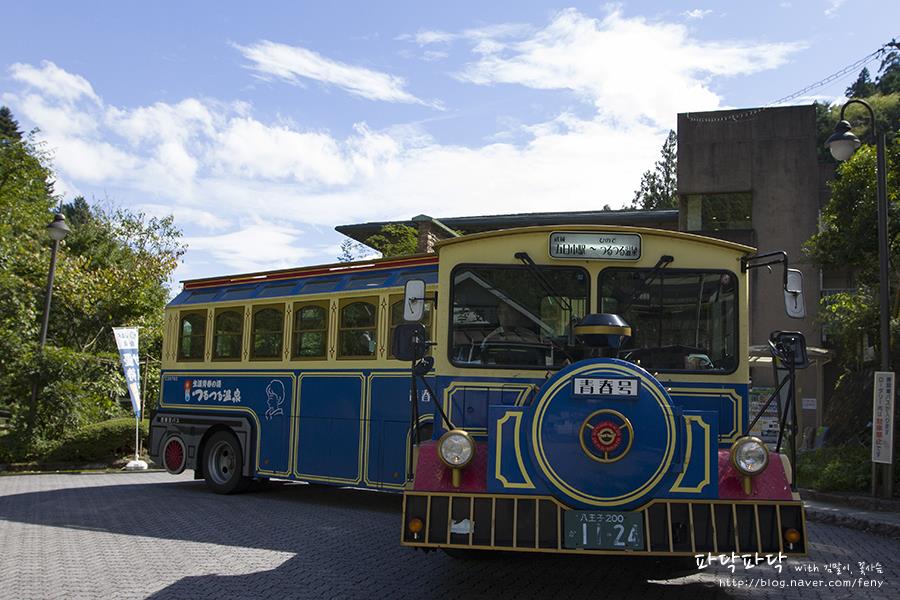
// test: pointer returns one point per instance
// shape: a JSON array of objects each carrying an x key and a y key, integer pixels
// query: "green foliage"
[
  {"x": 835, "y": 469},
  {"x": 394, "y": 239},
  {"x": 112, "y": 271},
  {"x": 9, "y": 127},
  {"x": 863, "y": 87},
  {"x": 98, "y": 442},
  {"x": 887, "y": 120},
  {"x": 659, "y": 185}
]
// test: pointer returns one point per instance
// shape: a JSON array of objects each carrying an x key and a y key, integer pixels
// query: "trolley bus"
[{"x": 568, "y": 389}]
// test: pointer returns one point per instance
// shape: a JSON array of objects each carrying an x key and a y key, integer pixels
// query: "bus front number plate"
[{"x": 604, "y": 530}]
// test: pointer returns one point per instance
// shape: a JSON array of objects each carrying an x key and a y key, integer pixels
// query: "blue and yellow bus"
[{"x": 583, "y": 389}]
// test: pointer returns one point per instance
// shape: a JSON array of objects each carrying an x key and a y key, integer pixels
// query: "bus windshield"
[
  {"x": 503, "y": 317},
  {"x": 682, "y": 320}
]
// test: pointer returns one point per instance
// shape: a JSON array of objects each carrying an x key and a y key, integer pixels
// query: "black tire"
[{"x": 223, "y": 464}]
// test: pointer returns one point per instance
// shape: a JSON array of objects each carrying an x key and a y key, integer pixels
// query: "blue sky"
[{"x": 262, "y": 126}]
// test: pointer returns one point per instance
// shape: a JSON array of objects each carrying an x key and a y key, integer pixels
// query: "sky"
[{"x": 261, "y": 126}]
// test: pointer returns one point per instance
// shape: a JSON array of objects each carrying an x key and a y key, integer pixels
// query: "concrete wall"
[{"x": 772, "y": 154}]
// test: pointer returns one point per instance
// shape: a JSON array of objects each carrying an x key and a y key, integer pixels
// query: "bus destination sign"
[{"x": 595, "y": 246}]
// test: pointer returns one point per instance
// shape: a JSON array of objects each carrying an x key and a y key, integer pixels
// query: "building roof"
[{"x": 646, "y": 218}]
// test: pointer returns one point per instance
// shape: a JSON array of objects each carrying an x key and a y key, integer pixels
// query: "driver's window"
[{"x": 505, "y": 316}]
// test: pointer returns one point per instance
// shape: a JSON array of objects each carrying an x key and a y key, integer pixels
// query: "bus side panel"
[
  {"x": 330, "y": 427},
  {"x": 388, "y": 427}
]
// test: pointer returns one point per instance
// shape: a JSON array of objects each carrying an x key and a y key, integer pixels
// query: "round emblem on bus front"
[{"x": 606, "y": 430}]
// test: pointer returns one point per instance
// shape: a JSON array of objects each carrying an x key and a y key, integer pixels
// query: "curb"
[
  {"x": 852, "y": 500},
  {"x": 853, "y": 522}
]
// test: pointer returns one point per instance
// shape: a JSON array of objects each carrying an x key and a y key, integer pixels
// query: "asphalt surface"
[{"x": 154, "y": 535}]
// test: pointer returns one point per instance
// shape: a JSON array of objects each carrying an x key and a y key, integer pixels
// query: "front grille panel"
[{"x": 530, "y": 523}]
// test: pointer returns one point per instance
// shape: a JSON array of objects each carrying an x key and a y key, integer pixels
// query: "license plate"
[{"x": 604, "y": 530}]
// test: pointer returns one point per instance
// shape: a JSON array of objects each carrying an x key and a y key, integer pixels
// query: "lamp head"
[
  {"x": 842, "y": 142},
  {"x": 58, "y": 230}
]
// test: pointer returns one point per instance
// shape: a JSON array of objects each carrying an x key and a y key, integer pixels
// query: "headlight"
[
  {"x": 456, "y": 448},
  {"x": 749, "y": 455}
]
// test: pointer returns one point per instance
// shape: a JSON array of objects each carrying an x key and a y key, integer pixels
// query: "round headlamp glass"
[
  {"x": 456, "y": 448},
  {"x": 750, "y": 455}
]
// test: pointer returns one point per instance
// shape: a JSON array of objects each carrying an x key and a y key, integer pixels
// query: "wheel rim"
[
  {"x": 222, "y": 463},
  {"x": 174, "y": 456}
]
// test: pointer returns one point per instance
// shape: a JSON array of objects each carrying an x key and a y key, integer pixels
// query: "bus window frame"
[
  {"x": 202, "y": 312},
  {"x": 256, "y": 309},
  {"x": 452, "y": 291},
  {"x": 344, "y": 302},
  {"x": 737, "y": 312},
  {"x": 239, "y": 309},
  {"x": 324, "y": 304}
]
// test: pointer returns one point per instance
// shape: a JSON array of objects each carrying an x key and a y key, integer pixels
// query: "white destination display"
[
  {"x": 601, "y": 386},
  {"x": 883, "y": 418},
  {"x": 605, "y": 246}
]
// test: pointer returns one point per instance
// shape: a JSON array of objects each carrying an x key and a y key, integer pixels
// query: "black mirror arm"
[{"x": 779, "y": 257}]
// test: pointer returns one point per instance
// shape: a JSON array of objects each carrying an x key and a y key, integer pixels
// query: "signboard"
[
  {"x": 766, "y": 427},
  {"x": 883, "y": 418},
  {"x": 127, "y": 342},
  {"x": 602, "y": 386},
  {"x": 595, "y": 246}
]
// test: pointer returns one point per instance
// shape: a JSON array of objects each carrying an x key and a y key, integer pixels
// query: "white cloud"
[
  {"x": 291, "y": 63},
  {"x": 833, "y": 7},
  {"x": 53, "y": 81},
  {"x": 627, "y": 67},
  {"x": 255, "y": 247},
  {"x": 696, "y": 13}
]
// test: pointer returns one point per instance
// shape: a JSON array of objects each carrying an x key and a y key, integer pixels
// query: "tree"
[
  {"x": 9, "y": 127},
  {"x": 350, "y": 250},
  {"x": 888, "y": 81},
  {"x": 851, "y": 318},
  {"x": 659, "y": 185},
  {"x": 863, "y": 87},
  {"x": 394, "y": 239},
  {"x": 112, "y": 270}
]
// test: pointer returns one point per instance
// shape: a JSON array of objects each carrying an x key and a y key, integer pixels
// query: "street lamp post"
[
  {"x": 842, "y": 145},
  {"x": 57, "y": 230}
]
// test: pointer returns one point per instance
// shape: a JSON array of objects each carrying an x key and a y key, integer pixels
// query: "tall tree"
[
  {"x": 394, "y": 239},
  {"x": 350, "y": 250},
  {"x": 9, "y": 127},
  {"x": 863, "y": 87},
  {"x": 659, "y": 185},
  {"x": 888, "y": 81}
]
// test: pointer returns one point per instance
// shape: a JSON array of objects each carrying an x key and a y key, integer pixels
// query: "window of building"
[
  {"x": 228, "y": 333},
  {"x": 310, "y": 333},
  {"x": 397, "y": 318},
  {"x": 358, "y": 328},
  {"x": 717, "y": 212},
  {"x": 681, "y": 320},
  {"x": 267, "y": 332},
  {"x": 192, "y": 335}
]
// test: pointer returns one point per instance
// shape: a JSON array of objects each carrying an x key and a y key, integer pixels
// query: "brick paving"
[{"x": 154, "y": 535}]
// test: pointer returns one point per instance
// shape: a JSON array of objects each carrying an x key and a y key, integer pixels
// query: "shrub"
[
  {"x": 836, "y": 469},
  {"x": 98, "y": 442}
]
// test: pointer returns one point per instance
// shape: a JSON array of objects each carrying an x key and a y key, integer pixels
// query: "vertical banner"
[
  {"x": 127, "y": 342},
  {"x": 883, "y": 418}
]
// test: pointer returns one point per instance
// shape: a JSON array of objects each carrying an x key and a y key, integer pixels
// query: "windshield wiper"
[
  {"x": 661, "y": 264},
  {"x": 544, "y": 283}
]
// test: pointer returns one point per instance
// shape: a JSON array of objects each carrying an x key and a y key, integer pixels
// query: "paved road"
[{"x": 154, "y": 535}]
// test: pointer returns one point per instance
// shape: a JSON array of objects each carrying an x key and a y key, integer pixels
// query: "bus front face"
[{"x": 602, "y": 376}]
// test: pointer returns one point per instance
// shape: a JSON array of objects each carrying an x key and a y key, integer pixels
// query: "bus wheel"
[{"x": 223, "y": 464}]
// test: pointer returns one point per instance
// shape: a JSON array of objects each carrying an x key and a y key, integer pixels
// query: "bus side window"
[
  {"x": 397, "y": 318},
  {"x": 358, "y": 329},
  {"x": 310, "y": 331},
  {"x": 228, "y": 334},
  {"x": 192, "y": 335},
  {"x": 267, "y": 332}
]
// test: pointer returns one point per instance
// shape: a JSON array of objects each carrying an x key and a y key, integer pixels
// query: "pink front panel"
[
  {"x": 771, "y": 484},
  {"x": 432, "y": 475}
]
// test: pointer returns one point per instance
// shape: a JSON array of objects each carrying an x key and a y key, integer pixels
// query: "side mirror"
[
  {"x": 409, "y": 342},
  {"x": 794, "y": 304},
  {"x": 414, "y": 300}
]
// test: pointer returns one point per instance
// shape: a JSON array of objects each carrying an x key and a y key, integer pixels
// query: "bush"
[
  {"x": 836, "y": 469},
  {"x": 98, "y": 442}
]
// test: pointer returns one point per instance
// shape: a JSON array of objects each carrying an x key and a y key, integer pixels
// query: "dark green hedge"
[{"x": 98, "y": 442}]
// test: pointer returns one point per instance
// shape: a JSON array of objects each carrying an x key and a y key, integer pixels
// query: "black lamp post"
[
  {"x": 57, "y": 230},
  {"x": 842, "y": 145}
]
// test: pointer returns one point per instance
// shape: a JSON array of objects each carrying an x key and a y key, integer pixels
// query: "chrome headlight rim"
[
  {"x": 452, "y": 433},
  {"x": 742, "y": 441}
]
